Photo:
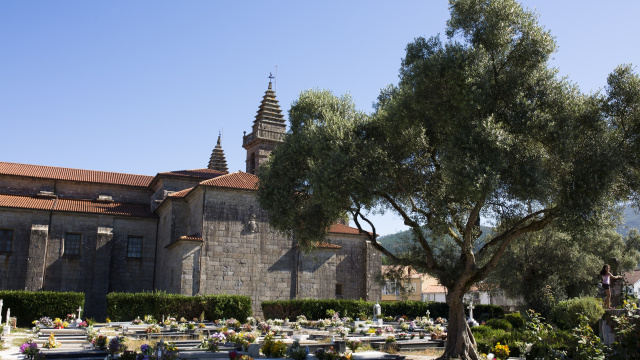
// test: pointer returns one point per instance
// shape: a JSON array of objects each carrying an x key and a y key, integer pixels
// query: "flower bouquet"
[{"x": 52, "y": 343}]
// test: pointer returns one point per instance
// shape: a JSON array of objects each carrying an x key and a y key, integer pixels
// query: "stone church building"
[{"x": 189, "y": 232}]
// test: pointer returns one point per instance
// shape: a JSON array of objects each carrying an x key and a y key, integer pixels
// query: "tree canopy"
[{"x": 479, "y": 126}]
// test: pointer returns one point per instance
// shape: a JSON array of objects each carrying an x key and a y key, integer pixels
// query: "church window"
[
  {"x": 72, "y": 244},
  {"x": 339, "y": 290},
  {"x": 134, "y": 247},
  {"x": 252, "y": 164},
  {"x": 6, "y": 240}
]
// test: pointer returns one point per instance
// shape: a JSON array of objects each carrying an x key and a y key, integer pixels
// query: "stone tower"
[
  {"x": 217, "y": 160},
  {"x": 268, "y": 131}
]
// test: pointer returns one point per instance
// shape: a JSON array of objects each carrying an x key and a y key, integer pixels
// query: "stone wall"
[
  {"x": 16, "y": 265},
  {"x": 242, "y": 255},
  {"x": 17, "y": 185}
]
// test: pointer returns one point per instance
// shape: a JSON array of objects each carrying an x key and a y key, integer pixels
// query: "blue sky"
[{"x": 145, "y": 86}]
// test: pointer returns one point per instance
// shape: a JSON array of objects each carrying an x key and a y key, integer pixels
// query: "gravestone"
[
  {"x": 7, "y": 328},
  {"x": 471, "y": 321}
]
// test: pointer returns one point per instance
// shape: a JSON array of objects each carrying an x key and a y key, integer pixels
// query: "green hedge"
[
  {"x": 317, "y": 309},
  {"x": 27, "y": 306},
  {"x": 128, "y": 306}
]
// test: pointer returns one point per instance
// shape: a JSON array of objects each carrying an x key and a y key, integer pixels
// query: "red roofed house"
[{"x": 189, "y": 232}]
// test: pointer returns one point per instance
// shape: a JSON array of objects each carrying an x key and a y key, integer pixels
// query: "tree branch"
[{"x": 432, "y": 264}]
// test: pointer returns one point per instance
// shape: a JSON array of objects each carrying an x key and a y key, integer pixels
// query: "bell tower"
[{"x": 268, "y": 131}]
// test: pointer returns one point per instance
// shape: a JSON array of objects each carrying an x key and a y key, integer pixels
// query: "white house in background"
[
  {"x": 633, "y": 279},
  {"x": 438, "y": 293}
]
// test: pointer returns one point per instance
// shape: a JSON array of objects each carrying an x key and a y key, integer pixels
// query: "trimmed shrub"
[
  {"x": 486, "y": 312},
  {"x": 516, "y": 320},
  {"x": 566, "y": 313},
  {"x": 503, "y": 324},
  {"x": 128, "y": 306},
  {"x": 27, "y": 306},
  {"x": 317, "y": 308}
]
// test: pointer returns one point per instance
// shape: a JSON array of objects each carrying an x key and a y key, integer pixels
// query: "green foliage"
[
  {"x": 317, "y": 308},
  {"x": 516, "y": 320},
  {"x": 586, "y": 344},
  {"x": 552, "y": 265},
  {"x": 486, "y": 312},
  {"x": 627, "y": 332},
  {"x": 27, "y": 306},
  {"x": 128, "y": 306},
  {"x": 479, "y": 126},
  {"x": 568, "y": 314},
  {"x": 503, "y": 324}
]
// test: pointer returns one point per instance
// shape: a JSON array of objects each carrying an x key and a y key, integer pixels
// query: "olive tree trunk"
[{"x": 460, "y": 341}]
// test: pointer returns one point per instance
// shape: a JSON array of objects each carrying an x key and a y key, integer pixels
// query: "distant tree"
[
  {"x": 548, "y": 266},
  {"x": 479, "y": 126}
]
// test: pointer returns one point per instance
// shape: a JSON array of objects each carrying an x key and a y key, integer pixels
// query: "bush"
[
  {"x": 317, "y": 308},
  {"x": 566, "y": 314},
  {"x": 27, "y": 306},
  {"x": 503, "y": 324},
  {"x": 485, "y": 312},
  {"x": 128, "y": 306},
  {"x": 516, "y": 320}
]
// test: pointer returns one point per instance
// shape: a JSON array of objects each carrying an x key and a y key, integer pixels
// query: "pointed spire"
[{"x": 218, "y": 161}]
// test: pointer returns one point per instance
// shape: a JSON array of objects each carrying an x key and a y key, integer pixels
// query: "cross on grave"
[
  {"x": 79, "y": 313},
  {"x": 428, "y": 312},
  {"x": 470, "y": 307}
]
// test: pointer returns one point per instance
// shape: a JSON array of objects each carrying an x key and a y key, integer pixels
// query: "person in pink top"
[{"x": 606, "y": 284}]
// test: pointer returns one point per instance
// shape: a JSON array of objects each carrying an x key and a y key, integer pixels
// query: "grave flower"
[
  {"x": 83, "y": 324},
  {"x": 378, "y": 332},
  {"x": 29, "y": 349},
  {"x": 59, "y": 324},
  {"x": 402, "y": 335},
  {"x": 116, "y": 345},
  {"x": 354, "y": 344},
  {"x": 152, "y": 329},
  {"x": 388, "y": 329},
  {"x": 501, "y": 351},
  {"x": 100, "y": 342},
  {"x": 211, "y": 343},
  {"x": 52, "y": 343},
  {"x": 137, "y": 321},
  {"x": 390, "y": 339},
  {"x": 297, "y": 352},
  {"x": 342, "y": 331},
  {"x": 421, "y": 335}
]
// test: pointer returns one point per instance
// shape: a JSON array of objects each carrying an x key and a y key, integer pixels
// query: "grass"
[
  {"x": 19, "y": 341},
  {"x": 426, "y": 352}
]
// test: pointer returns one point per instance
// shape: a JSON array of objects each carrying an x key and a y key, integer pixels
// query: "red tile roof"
[
  {"x": 58, "y": 173},
  {"x": 343, "y": 229},
  {"x": 326, "y": 245},
  {"x": 195, "y": 173},
  {"x": 236, "y": 180},
  {"x": 195, "y": 237},
  {"x": 632, "y": 276},
  {"x": 181, "y": 193},
  {"x": 437, "y": 289},
  {"x": 74, "y": 205}
]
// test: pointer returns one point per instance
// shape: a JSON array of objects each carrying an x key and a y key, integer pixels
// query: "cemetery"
[{"x": 369, "y": 335}]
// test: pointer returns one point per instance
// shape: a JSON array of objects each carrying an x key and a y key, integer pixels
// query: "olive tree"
[{"x": 479, "y": 126}]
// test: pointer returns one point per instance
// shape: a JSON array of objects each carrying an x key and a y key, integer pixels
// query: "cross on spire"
[{"x": 271, "y": 77}]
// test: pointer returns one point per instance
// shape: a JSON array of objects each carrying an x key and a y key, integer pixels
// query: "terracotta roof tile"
[
  {"x": 343, "y": 229},
  {"x": 58, "y": 173},
  {"x": 437, "y": 289},
  {"x": 195, "y": 237},
  {"x": 326, "y": 245},
  {"x": 195, "y": 173},
  {"x": 236, "y": 180},
  {"x": 181, "y": 193},
  {"x": 632, "y": 276},
  {"x": 74, "y": 205}
]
